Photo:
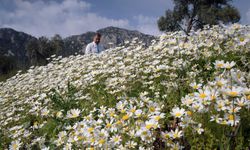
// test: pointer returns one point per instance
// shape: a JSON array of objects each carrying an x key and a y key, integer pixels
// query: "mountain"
[
  {"x": 111, "y": 37},
  {"x": 14, "y": 54},
  {"x": 12, "y": 49}
]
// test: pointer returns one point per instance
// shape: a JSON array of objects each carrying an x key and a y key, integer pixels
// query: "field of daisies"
[{"x": 177, "y": 93}]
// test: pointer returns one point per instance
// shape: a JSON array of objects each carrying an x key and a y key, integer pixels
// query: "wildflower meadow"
[{"x": 178, "y": 93}]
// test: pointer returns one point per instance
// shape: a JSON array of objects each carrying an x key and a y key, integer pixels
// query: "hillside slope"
[
  {"x": 15, "y": 56},
  {"x": 172, "y": 94}
]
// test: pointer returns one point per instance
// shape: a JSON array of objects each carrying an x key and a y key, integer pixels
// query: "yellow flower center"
[
  {"x": 123, "y": 111},
  {"x": 203, "y": 95},
  {"x": 80, "y": 137},
  {"x": 118, "y": 122},
  {"x": 132, "y": 110},
  {"x": 219, "y": 83},
  {"x": 138, "y": 115},
  {"x": 196, "y": 106},
  {"x": 175, "y": 135},
  {"x": 101, "y": 141},
  {"x": 90, "y": 129},
  {"x": 152, "y": 109},
  {"x": 231, "y": 117},
  {"x": 112, "y": 114},
  {"x": 144, "y": 133},
  {"x": 108, "y": 125},
  {"x": 125, "y": 117},
  {"x": 58, "y": 114},
  {"x": 195, "y": 87},
  {"x": 74, "y": 115},
  {"x": 157, "y": 118},
  {"x": 220, "y": 106},
  {"x": 189, "y": 113},
  {"x": 167, "y": 136},
  {"x": 149, "y": 126},
  {"x": 224, "y": 122},
  {"x": 116, "y": 139},
  {"x": 15, "y": 146},
  {"x": 242, "y": 39},
  {"x": 213, "y": 97},
  {"x": 238, "y": 76},
  {"x": 248, "y": 97},
  {"x": 233, "y": 93},
  {"x": 219, "y": 65},
  {"x": 178, "y": 114}
]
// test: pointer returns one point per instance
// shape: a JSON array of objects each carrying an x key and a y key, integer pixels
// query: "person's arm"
[{"x": 88, "y": 49}]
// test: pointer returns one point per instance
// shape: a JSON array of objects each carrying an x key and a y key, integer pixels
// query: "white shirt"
[{"x": 93, "y": 48}]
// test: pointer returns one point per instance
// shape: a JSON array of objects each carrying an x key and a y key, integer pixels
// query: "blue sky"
[{"x": 70, "y": 17}]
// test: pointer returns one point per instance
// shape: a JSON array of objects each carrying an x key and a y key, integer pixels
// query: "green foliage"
[
  {"x": 66, "y": 102},
  {"x": 217, "y": 136},
  {"x": 194, "y": 14},
  {"x": 40, "y": 49},
  {"x": 206, "y": 141}
]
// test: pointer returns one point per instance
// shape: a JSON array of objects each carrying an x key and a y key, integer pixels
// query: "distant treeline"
[{"x": 40, "y": 49}]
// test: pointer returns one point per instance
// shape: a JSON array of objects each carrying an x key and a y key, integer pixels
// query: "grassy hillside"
[{"x": 172, "y": 95}]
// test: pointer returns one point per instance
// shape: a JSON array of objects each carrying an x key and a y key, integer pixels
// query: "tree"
[
  {"x": 57, "y": 43},
  {"x": 7, "y": 64},
  {"x": 38, "y": 50},
  {"x": 194, "y": 14},
  {"x": 32, "y": 51},
  {"x": 45, "y": 47}
]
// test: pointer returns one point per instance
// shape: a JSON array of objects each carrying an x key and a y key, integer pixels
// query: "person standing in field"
[{"x": 95, "y": 46}]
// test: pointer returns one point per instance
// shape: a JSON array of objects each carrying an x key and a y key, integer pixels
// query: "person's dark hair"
[{"x": 98, "y": 34}]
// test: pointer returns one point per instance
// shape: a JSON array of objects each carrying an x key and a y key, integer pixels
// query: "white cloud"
[
  {"x": 48, "y": 18},
  {"x": 66, "y": 17},
  {"x": 147, "y": 24}
]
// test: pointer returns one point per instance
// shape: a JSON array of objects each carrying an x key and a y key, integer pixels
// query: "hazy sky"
[{"x": 69, "y": 17}]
